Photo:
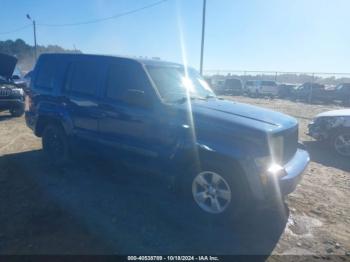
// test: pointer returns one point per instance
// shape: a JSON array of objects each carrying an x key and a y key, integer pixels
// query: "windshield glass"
[{"x": 173, "y": 84}]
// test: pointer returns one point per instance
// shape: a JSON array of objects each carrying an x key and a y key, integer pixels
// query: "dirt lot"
[{"x": 94, "y": 207}]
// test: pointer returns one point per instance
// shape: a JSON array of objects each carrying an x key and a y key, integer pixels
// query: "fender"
[
  {"x": 188, "y": 153},
  {"x": 49, "y": 111}
]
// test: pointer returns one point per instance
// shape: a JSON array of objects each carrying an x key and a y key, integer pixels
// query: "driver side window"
[{"x": 123, "y": 76}]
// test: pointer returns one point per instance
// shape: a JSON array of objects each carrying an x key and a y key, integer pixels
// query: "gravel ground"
[{"x": 97, "y": 207}]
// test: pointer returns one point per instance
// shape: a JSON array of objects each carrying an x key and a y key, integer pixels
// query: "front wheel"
[
  {"x": 216, "y": 194},
  {"x": 55, "y": 144}
]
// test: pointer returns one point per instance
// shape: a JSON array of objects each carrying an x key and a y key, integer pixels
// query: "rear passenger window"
[
  {"x": 83, "y": 78},
  {"x": 121, "y": 77},
  {"x": 46, "y": 75}
]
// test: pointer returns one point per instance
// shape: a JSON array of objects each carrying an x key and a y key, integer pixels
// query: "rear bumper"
[{"x": 268, "y": 92}]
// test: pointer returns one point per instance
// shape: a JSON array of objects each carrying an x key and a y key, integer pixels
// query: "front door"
[{"x": 136, "y": 129}]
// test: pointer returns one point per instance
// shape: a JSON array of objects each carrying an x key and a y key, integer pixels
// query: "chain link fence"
[{"x": 308, "y": 86}]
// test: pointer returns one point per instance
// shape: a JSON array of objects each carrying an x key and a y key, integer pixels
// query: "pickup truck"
[
  {"x": 225, "y": 156},
  {"x": 312, "y": 92}
]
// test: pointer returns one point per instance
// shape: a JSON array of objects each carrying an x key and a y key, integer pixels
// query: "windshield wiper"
[{"x": 184, "y": 99}]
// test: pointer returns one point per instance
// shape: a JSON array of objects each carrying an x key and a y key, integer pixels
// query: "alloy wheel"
[{"x": 211, "y": 192}]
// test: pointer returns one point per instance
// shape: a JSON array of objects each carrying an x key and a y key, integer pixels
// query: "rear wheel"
[{"x": 55, "y": 144}]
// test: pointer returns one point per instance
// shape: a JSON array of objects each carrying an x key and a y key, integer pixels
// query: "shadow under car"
[{"x": 96, "y": 207}]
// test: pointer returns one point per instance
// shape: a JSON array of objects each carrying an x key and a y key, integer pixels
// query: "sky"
[{"x": 276, "y": 35}]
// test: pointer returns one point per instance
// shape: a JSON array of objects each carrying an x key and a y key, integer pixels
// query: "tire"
[
  {"x": 17, "y": 111},
  {"x": 341, "y": 142},
  {"x": 55, "y": 144},
  {"x": 229, "y": 204}
]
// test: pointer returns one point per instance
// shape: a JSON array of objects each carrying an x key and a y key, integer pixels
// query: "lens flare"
[
  {"x": 274, "y": 171},
  {"x": 188, "y": 88}
]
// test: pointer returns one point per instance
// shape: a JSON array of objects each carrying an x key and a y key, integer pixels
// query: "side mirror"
[{"x": 137, "y": 98}]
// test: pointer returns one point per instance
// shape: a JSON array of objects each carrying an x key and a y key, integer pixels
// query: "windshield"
[{"x": 173, "y": 84}]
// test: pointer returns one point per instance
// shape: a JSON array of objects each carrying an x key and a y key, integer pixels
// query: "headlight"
[
  {"x": 18, "y": 91},
  {"x": 276, "y": 149},
  {"x": 269, "y": 171},
  {"x": 263, "y": 162}
]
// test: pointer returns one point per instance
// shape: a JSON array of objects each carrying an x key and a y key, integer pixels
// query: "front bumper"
[
  {"x": 11, "y": 103},
  {"x": 293, "y": 170},
  {"x": 316, "y": 132}
]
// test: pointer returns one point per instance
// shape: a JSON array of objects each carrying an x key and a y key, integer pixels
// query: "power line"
[
  {"x": 15, "y": 30},
  {"x": 98, "y": 20}
]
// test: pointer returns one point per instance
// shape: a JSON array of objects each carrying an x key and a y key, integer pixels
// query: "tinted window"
[
  {"x": 124, "y": 76},
  {"x": 83, "y": 78},
  {"x": 45, "y": 77}
]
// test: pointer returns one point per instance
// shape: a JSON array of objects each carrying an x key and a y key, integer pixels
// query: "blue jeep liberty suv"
[{"x": 164, "y": 117}]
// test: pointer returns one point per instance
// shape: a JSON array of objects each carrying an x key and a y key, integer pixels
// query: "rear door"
[{"x": 83, "y": 80}]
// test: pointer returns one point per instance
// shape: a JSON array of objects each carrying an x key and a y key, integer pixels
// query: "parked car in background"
[
  {"x": 225, "y": 156},
  {"x": 342, "y": 93},
  {"x": 231, "y": 86},
  {"x": 285, "y": 90},
  {"x": 11, "y": 95},
  {"x": 333, "y": 127},
  {"x": 262, "y": 88},
  {"x": 247, "y": 85},
  {"x": 311, "y": 92},
  {"x": 209, "y": 80}
]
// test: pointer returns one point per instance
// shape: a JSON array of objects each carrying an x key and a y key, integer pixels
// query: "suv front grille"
[
  {"x": 5, "y": 92},
  {"x": 290, "y": 143}
]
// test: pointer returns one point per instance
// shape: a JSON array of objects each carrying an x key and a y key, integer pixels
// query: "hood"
[
  {"x": 7, "y": 65},
  {"x": 244, "y": 114},
  {"x": 341, "y": 112}
]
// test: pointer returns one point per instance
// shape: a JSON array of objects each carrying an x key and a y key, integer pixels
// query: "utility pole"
[
  {"x": 203, "y": 33},
  {"x": 34, "y": 30}
]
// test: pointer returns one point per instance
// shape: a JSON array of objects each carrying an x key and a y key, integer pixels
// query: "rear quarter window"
[{"x": 46, "y": 74}]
